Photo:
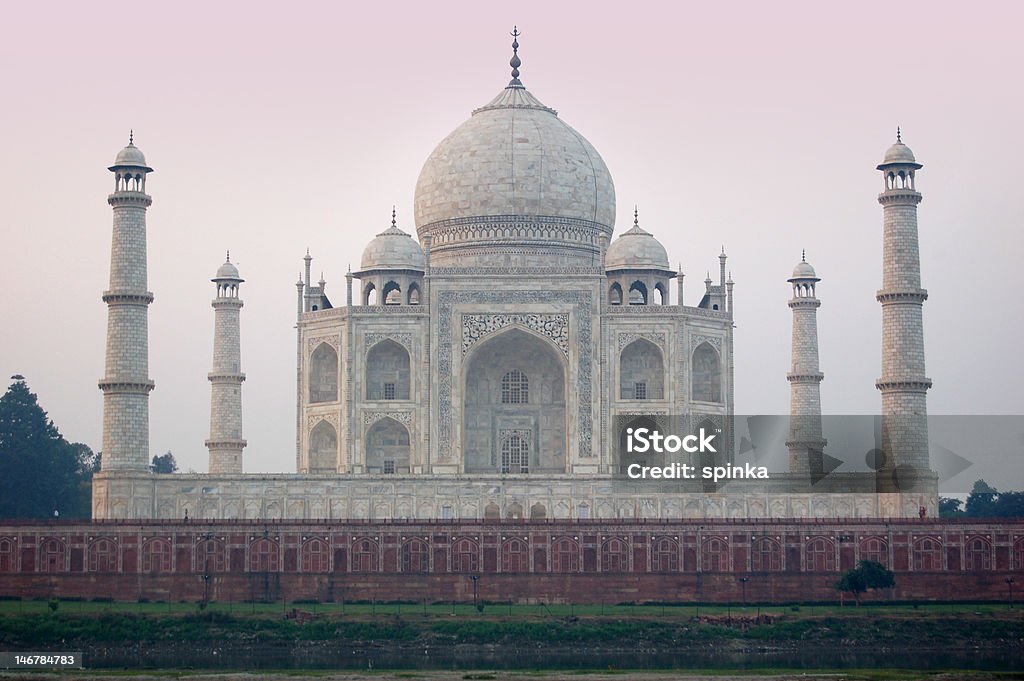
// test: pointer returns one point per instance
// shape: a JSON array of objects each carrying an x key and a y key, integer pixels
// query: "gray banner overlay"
[{"x": 827, "y": 454}]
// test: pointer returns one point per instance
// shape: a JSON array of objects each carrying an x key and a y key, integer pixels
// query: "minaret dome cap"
[
  {"x": 131, "y": 157},
  {"x": 899, "y": 154},
  {"x": 227, "y": 271}
]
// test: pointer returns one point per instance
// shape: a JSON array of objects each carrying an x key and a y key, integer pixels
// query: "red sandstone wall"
[{"x": 525, "y": 561}]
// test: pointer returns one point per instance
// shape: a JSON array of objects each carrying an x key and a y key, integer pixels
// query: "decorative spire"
[
  {"x": 636, "y": 216},
  {"x": 899, "y": 136},
  {"x": 803, "y": 255},
  {"x": 394, "y": 225},
  {"x": 131, "y": 137},
  {"x": 227, "y": 258},
  {"x": 515, "y": 62}
]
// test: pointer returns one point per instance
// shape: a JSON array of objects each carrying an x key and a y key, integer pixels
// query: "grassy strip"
[{"x": 117, "y": 628}]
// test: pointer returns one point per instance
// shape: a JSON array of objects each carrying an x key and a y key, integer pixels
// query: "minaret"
[
  {"x": 805, "y": 442},
  {"x": 903, "y": 384},
  {"x": 126, "y": 383},
  {"x": 226, "y": 443}
]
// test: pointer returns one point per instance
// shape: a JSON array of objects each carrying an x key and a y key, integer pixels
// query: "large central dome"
[{"x": 515, "y": 179}]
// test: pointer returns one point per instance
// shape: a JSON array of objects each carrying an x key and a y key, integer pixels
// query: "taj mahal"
[{"x": 483, "y": 361}]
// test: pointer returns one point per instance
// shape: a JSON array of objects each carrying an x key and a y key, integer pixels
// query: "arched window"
[
  {"x": 323, "y": 448},
  {"x": 714, "y": 555},
  {"x": 565, "y": 555},
  {"x": 707, "y": 374},
  {"x": 211, "y": 556},
  {"x": 665, "y": 555},
  {"x": 365, "y": 556},
  {"x": 1018, "y": 555},
  {"x": 387, "y": 372},
  {"x": 316, "y": 556},
  {"x": 7, "y": 555},
  {"x": 637, "y": 293},
  {"x": 875, "y": 549},
  {"x": 415, "y": 556},
  {"x": 615, "y": 294},
  {"x": 614, "y": 556},
  {"x": 414, "y": 294},
  {"x": 641, "y": 371},
  {"x": 369, "y": 294},
  {"x": 323, "y": 374},
  {"x": 392, "y": 293},
  {"x": 514, "y": 556},
  {"x": 927, "y": 554},
  {"x": 978, "y": 554},
  {"x": 820, "y": 555},
  {"x": 465, "y": 556},
  {"x": 515, "y": 455},
  {"x": 515, "y": 388},
  {"x": 660, "y": 294},
  {"x": 264, "y": 556},
  {"x": 538, "y": 511},
  {"x": 387, "y": 447},
  {"x": 765, "y": 555},
  {"x": 51, "y": 556},
  {"x": 156, "y": 556}
]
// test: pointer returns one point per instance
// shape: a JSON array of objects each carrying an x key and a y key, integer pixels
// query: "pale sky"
[{"x": 277, "y": 127}]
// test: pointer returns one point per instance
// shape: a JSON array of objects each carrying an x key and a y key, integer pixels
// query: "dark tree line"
[
  {"x": 984, "y": 501},
  {"x": 40, "y": 472}
]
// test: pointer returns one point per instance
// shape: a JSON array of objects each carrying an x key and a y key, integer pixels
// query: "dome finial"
[
  {"x": 227, "y": 258},
  {"x": 515, "y": 62},
  {"x": 131, "y": 136},
  {"x": 899, "y": 135},
  {"x": 393, "y": 222},
  {"x": 636, "y": 216},
  {"x": 803, "y": 255}
]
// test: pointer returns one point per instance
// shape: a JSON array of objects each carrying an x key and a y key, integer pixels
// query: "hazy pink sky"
[{"x": 275, "y": 127}]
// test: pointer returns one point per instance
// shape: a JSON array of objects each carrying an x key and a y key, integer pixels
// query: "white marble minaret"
[
  {"x": 904, "y": 387},
  {"x": 805, "y": 442},
  {"x": 226, "y": 443},
  {"x": 126, "y": 383}
]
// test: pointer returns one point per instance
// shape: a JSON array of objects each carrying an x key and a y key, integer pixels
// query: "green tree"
[
  {"x": 40, "y": 471},
  {"x": 950, "y": 507},
  {"x": 981, "y": 501},
  {"x": 164, "y": 463},
  {"x": 868, "y": 574}
]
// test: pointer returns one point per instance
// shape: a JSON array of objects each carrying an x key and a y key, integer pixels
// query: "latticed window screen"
[
  {"x": 389, "y": 391},
  {"x": 640, "y": 390},
  {"x": 515, "y": 388},
  {"x": 389, "y": 466},
  {"x": 515, "y": 455}
]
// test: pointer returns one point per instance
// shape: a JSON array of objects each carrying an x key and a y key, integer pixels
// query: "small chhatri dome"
[
  {"x": 899, "y": 154},
  {"x": 227, "y": 271},
  {"x": 131, "y": 157},
  {"x": 393, "y": 249},
  {"x": 636, "y": 249},
  {"x": 803, "y": 270}
]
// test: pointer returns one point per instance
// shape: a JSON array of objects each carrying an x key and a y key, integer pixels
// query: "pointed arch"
[
  {"x": 388, "y": 374},
  {"x": 638, "y": 293},
  {"x": 315, "y": 556},
  {"x": 515, "y": 556},
  {"x": 323, "y": 448},
  {"x": 369, "y": 294},
  {"x": 391, "y": 293},
  {"x": 414, "y": 294},
  {"x": 615, "y": 294},
  {"x": 103, "y": 555},
  {"x": 387, "y": 447},
  {"x": 706, "y": 374},
  {"x": 323, "y": 374},
  {"x": 641, "y": 371}
]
